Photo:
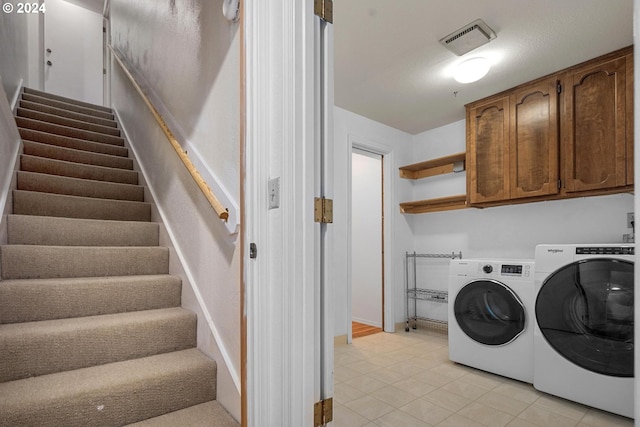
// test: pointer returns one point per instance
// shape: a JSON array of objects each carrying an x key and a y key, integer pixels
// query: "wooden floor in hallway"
[{"x": 361, "y": 330}]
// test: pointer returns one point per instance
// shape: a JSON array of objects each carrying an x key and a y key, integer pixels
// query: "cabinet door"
[
  {"x": 594, "y": 135},
  {"x": 488, "y": 151},
  {"x": 630, "y": 123},
  {"x": 534, "y": 140}
]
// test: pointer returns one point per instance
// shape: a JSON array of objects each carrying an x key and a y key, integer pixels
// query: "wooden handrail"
[{"x": 222, "y": 212}]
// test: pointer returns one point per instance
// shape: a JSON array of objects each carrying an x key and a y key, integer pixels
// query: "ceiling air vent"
[{"x": 469, "y": 37}]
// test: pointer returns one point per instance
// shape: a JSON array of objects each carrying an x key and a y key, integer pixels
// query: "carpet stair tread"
[
  {"x": 31, "y": 91},
  {"x": 92, "y": 328},
  {"x": 58, "y": 205},
  {"x": 40, "y": 348},
  {"x": 54, "y": 152},
  {"x": 69, "y": 122},
  {"x": 67, "y": 106},
  {"x": 56, "y": 129},
  {"x": 49, "y": 166},
  {"x": 71, "y": 186},
  {"x": 61, "y": 112},
  {"x": 75, "y": 143},
  {"x": 42, "y": 262},
  {"x": 57, "y": 184},
  {"x": 85, "y": 296},
  {"x": 115, "y": 394},
  {"x": 209, "y": 414},
  {"x": 60, "y": 231}
]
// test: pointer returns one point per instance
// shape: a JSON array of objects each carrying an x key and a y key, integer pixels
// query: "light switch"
[{"x": 274, "y": 193}]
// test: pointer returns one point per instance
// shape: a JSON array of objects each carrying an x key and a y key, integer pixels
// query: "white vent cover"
[{"x": 469, "y": 37}]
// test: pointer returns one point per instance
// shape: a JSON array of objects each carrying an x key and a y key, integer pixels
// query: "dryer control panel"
[
  {"x": 505, "y": 270},
  {"x": 511, "y": 270}
]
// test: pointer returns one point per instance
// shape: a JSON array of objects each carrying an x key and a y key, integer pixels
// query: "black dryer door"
[
  {"x": 489, "y": 312},
  {"x": 585, "y": 312}
]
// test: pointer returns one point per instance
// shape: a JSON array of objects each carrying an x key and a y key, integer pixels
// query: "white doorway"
[
  {"x": 73, "y": 58},
  {"x": 367, "y": 266}
]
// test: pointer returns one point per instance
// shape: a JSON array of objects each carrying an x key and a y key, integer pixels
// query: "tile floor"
[{"x": 406, "y": 379}]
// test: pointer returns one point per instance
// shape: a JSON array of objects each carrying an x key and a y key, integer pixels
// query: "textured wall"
[
  {"x": 189, "y": 58},
  {"x": 13, "y": 51},
  {"x": 189, "y": 55}
]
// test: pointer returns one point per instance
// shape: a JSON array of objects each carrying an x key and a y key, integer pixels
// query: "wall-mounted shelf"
[
  {"x": 433, "y": 167},
  {"x": 435, "y": 205},
  {"x": 439, "y": 166}
]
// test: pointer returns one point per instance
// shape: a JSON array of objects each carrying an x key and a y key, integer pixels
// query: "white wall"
[
  {"x": 13, "y": 52},
  {"x": 353, "y": 130},
  {"x": 188, "y": 56},
  {"x": 366, "y": 238}
]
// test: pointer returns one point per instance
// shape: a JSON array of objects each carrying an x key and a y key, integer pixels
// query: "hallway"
[{"x": 406, "y": 379}]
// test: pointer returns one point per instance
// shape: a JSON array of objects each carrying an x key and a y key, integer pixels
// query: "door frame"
[
  {"x": 286, "y": 324},
  {"x": 388, "y": 233},
  {"x": 381, "y": 157}
]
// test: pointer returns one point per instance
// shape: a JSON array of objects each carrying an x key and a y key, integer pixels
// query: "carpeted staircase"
[{"x": 91, "y": 328}]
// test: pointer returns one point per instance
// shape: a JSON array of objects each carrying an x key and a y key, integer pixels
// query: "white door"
[
  {"x": 366, "y": 238},
  {"x": 73, "y": 59}
]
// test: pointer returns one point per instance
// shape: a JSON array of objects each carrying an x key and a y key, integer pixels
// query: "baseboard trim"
[{"x": 16, "y": 95}]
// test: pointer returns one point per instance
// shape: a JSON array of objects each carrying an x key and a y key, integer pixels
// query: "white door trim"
[
  {"x": 281, "y": 294},
  {"x": 389, "y": 213}
]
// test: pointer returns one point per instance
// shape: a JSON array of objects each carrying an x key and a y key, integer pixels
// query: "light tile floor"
[{"x": 406, "y": 379}]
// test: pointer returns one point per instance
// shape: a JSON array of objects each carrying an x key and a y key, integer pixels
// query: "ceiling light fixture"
[{"x": 471, "y": 70}]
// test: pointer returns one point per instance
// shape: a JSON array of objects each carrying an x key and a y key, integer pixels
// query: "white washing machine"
[
  {"x": 583, "y": 337},
  {"x": 490, "y": 315}
]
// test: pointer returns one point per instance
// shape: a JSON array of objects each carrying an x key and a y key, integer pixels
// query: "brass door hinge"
[
  {"x": 324, "y": 9},
  {"x": 323, "y": 412},
  {"x": 323, "y": 210}
]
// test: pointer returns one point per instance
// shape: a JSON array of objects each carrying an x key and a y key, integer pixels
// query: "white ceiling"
[
  {"x": 391, "y": 68},
  {"x": 93, "y": 5}
]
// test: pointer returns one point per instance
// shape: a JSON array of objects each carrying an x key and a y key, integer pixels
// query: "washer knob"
[{"x": 487, "y": 268}]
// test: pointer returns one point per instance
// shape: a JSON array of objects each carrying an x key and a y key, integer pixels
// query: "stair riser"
[
  {"x": 76, "y": 144},
  {"x": 70, "y": 132},
  {"x": 84, "y": 398},
  {"x": 34, "y": 106},
  {"x": 68, "y": 107},
  {"x": 77, "y": 156},
  {"x": 39, "y": 262},
  {"x": 76, "y": 170},
  {"x": 77, "y": 124},
  {"x": 80, "y": 297},
  {"x": 44, "y": 230},
  {"x": 44, "y": 204},
  {"x": 67, "y": 344},
  {"x": 30, "y": 181},
  {"x": 66, "y": 100}
]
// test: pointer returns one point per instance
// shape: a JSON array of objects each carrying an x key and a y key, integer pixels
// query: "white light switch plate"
[{"x": 274, "y": 193}]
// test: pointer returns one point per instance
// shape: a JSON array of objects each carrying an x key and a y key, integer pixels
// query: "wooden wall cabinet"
[
  {"x": 594, "y": 127},
  {"x": 566, "y": 135}
]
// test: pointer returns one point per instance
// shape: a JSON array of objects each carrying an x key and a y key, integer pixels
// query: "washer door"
[
  {"x": 585, "y": 312},
  {"x": 489, "y": 312}
]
